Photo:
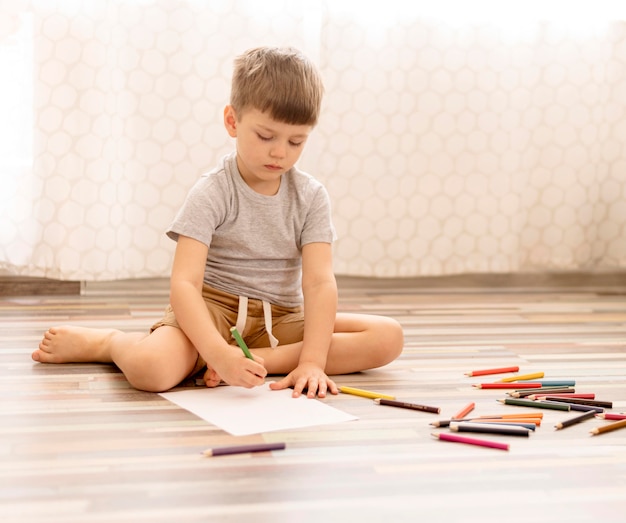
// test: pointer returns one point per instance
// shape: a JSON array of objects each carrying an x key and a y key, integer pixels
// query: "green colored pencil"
[
  {"x": 240, "y": 342},
  {"x": 535, "y": 404}
]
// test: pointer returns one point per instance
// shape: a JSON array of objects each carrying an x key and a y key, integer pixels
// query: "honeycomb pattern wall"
[{"x": 447, "y": 148}]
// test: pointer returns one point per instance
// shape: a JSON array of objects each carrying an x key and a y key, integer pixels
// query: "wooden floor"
[{"x": 77, "y": 444}]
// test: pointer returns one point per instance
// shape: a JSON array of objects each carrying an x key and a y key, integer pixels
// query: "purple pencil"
[{"x": 243, "y": 449}]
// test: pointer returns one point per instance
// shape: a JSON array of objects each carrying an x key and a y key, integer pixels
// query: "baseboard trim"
[{"x": 30, "y": 286}]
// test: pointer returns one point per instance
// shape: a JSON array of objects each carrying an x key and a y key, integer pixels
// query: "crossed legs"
[
  {"x": 160, "y": 360},
  {"x": 153, "y": 362}
]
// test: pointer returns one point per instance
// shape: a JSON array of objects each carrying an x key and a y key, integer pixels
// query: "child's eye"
[
  {"x": 295, "y": 144},
  {"x": 264, "y": 138}
]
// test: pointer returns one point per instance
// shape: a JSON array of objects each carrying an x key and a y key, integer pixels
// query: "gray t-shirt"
[{"x": 255, "y": 241}]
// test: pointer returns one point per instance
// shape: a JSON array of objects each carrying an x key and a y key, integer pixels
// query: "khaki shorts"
[{"x": 287, "y": 322}]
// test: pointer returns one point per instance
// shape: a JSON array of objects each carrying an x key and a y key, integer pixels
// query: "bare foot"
[
  {"x": 69, "y": 344},
  {"x": 211, "y": 379}
]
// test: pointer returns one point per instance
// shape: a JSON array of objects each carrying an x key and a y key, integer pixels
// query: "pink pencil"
[
  {"x": 590, "y": 396},
  {"x": 446, "y": 436}
]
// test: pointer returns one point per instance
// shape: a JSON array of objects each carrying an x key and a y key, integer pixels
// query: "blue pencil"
[{"x": 556, "y": 383}]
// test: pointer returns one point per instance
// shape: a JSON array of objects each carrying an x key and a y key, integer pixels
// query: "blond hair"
[{"x": 279, "y": 81}]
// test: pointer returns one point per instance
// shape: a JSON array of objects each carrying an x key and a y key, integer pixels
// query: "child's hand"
[
  {"x": 235, "y": 369},
  {"x": 307, "y": 376}
]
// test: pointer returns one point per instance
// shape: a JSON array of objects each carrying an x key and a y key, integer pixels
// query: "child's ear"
[{"x": 230, "y": 121}]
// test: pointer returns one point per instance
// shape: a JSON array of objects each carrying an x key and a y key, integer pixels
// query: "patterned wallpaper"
[{"x": 447, "y": 146}]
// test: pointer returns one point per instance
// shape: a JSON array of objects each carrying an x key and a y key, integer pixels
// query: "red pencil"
[
  {"x": 465, "y": 411},
  {"x": 611, "y": 416},
  {"x": 528, "y": 385},
  {"x": 492, "y": 371},
  {"x": 446, "y": 436}
]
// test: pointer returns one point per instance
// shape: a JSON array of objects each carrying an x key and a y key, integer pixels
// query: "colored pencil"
[
  {"x": 530, "y": 425},
  {"x": 365, "y": 393},
  {"x": 407, "y": 405},
  {"x": 547, "y": 390},
  {"x": 536, "y": 404},
  {"x": 446, "y": 422},
  {"x": 515, "y": 415},
  {"x": 583, "y": 408},
  {"x": 608, "y": 428},
  {"x": 579, "y": 401},
  {"x": 528, "y": 385},
  {"x": 504, "y": 417},
  {"x": 576, "y": 419},
  {"x": 534, "y": 421},
  {"x": 455, "y": 438},
  {"x": 243, "y": 449},
  {"x": 464, "y": 411},
  {"x": 484, "y": 372},
  {"x": 611, "y": 416},
  {"x": 240, "y": 342},
  {"x": 557, "y": 383},
  {"x": 536, "y": 396},
  {"x": 488, "y": 428},
  {"x": 522, "y": 377}
]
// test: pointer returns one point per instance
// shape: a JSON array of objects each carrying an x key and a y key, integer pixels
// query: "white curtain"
[{"x": 452, "y": 140}]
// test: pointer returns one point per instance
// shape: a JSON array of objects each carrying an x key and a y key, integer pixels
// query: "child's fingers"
[
  {"x": 321, "y": 390},
  {"x": 332, "y": 387},
  {"x": 258, "y": 359},
  {"x": 258, "y": 370},
  {"x": 299, "y": 386},
  {"x": 280, "y": 385}
]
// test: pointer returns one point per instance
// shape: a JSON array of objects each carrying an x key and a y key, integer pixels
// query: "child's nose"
[{"x": 278, "y": 151}]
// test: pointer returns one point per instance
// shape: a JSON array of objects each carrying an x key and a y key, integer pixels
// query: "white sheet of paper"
[{"x": 241, "y": 411}]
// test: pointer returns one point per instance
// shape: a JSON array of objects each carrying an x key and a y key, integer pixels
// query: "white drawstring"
[
  {"x": 267, "y": 312},
  {"x": 242, "y": 316}
]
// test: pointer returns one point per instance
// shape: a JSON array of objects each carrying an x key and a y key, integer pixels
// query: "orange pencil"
[
  {"x": 464, "y": 411},
  {"x": 607, "y": 428},
  {"x": 536, "y": 421},
  {"x": 484, "y": 372},
  {"x": 515, "y": 415},
  {"x": 529, "y": 417}
]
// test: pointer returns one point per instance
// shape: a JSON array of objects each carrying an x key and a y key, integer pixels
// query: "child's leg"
[
  {"x": 359, "y": 342},
  {"x": 153, "y": 362}
]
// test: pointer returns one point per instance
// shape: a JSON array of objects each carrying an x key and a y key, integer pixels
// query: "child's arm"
[
  {"x": 228, "y": 361},
  {"x": 319, "y": 288}
]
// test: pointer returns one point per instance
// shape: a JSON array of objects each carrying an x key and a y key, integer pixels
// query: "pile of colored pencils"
[{"x": 530, "y": 390}]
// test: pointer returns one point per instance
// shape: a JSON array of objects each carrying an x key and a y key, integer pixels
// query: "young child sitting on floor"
[{"x": 254, "y": 250}]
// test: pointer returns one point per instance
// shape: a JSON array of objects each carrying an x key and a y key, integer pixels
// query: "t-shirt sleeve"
[
  {"x": 318, "y": 226},
  {"x": 201, "y": 213}
]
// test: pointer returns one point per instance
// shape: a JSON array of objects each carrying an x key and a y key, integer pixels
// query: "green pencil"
[
  {"x": 535, "y": 404},
  {"x": 240, "y": 342}
]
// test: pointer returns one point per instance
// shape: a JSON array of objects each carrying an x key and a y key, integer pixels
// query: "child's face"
[{"x": 265, "y": 148}]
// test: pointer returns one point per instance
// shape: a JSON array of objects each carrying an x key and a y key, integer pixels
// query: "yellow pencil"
[
  {"x": 365, "y": 393},
  {"x": 521, "y": 377}
]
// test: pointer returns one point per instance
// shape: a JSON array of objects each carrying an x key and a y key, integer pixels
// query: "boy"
[{"x": 253, "y": 250}]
